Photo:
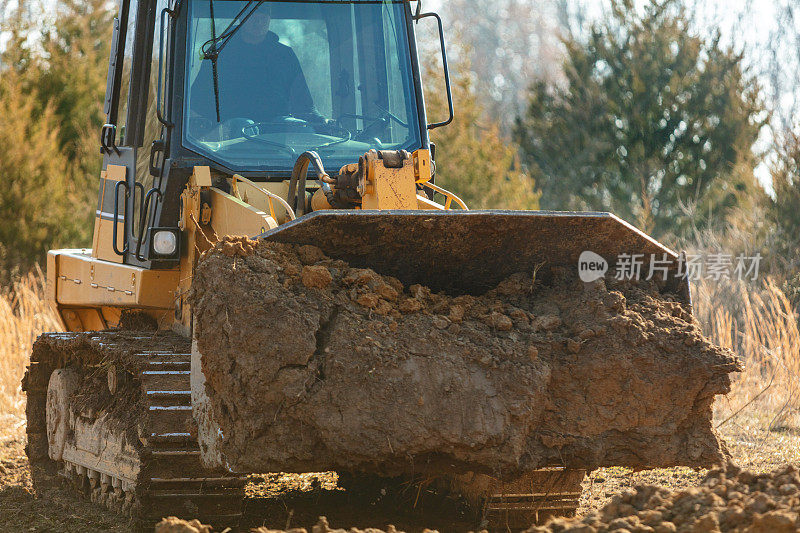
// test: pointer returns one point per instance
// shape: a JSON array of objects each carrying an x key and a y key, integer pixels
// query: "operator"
[{"x": 258, "y": 79}]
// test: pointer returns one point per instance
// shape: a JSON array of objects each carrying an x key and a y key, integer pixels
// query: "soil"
[
  {"x": 22, "y": 509},
  {"x": 313, "y": 365},
  {"x": 175, "y": 525},
  {"x": 286, "y": 501},
  {"x": 276, "y": 500},
  {"x": 727, "y": 499}
]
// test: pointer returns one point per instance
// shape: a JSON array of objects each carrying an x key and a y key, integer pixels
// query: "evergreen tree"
[
  {"x": 784, "y": 208},
  {"x": 52, "y": 82},
  {"x": 473, "y": 159},
  {"x": 654, "y": 123},
  {"x": 73, "y": 81},
  {"x": 34, "y": 211}
]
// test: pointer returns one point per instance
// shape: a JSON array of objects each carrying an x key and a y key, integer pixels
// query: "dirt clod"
[
  {"x": 368, "y": 300},
  {"x": 310, "y": 255},
  {"x": 533, "y": 352},
  {"x": 135, "y": 320},
  {"x": 322, "y": 526},
  {"x": 336, "y": 371},
  {"x": 441, "y": 322},
  {"x": 410, "y": 305},
  {"x": 501, "y": 321},
  {"x": 456, "y": 314},
  {"x": 316, "y": 277},
  {"x": 548, "y": 323},
  {"x": 176, "y": 525}
]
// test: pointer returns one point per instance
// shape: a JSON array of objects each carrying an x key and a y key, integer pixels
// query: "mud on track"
[{"x": 312, "y": 365}]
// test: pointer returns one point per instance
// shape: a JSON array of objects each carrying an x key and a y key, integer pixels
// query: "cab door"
[
  {"x": 130, "y": 135},
  {"x": 118, "y": 190}
]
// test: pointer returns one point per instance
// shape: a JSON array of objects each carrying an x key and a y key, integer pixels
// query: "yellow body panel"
[
  {"x": 89, "y": 294},
  {"x": 231, "y": 216},
  {"x": 422, "y": 166},
  {"x": 103, "y": 223},
  {"x": 78, "y": 279}
]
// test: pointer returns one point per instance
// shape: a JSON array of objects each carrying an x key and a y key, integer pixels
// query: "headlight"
[{"x": 165, "y": 243}]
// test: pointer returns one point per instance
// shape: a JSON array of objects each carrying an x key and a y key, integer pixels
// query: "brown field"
[{"x": 759, "y": 420}]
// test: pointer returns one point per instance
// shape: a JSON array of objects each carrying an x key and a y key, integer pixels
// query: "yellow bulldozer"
[{"x": 296, "y": 122}]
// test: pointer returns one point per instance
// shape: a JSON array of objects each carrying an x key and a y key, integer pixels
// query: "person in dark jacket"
[{"x": 258, "y": 77}]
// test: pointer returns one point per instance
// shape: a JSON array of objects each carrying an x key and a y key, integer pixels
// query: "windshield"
[{"x": 267, "y": 81}]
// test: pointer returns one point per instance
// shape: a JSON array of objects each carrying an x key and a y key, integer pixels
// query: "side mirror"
[{"x": 417, "y": 18}]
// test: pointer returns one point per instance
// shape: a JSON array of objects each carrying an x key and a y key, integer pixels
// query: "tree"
[
  {"x": 52, "y": 81},
  {"x": 784, "y": 208},
  {"x": 73, "y": 81},
  {"x": 473, "y": 159},
  {"x": 781, "y": 63},
  {"x": 654, "y": 123},
  {"x": 33, "y": 196}
]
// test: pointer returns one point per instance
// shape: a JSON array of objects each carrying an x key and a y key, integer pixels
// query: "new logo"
[{"x": 591, "y": 267}]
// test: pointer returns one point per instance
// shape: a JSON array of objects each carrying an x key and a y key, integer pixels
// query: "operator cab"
[
  {"x": 266, "y": 82},
  {"x": 245, "y": 87}
]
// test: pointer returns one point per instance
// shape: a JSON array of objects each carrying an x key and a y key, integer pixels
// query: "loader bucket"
[
  {"x": 303, "y": 364},
  {"x": 470, "y": 252}
]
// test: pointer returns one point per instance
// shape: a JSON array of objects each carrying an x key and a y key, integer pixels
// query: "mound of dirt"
[
  {"x": 726, "y": 500},
  {"x": 312, "y": 365}
]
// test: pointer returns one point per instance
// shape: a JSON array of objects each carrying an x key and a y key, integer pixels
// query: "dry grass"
[
  {"x": 759, "y": 324},
  {"x": 24, "y": 314}
]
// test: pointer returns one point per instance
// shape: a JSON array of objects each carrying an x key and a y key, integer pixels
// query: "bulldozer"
[{"x": 299, "y": 122}]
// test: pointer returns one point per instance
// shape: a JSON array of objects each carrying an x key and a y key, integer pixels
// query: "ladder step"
[
  {"x": 169, "y": 365},
  {"x": 176, "y": 453}
]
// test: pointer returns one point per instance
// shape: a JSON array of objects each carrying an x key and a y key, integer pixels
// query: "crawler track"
[
  {"x": 150, "y": 470},
  {"x": 532, "y": 499}
]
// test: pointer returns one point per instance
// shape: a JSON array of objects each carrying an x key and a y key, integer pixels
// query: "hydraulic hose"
[{"x": 297, "y": 185}]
